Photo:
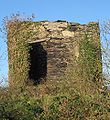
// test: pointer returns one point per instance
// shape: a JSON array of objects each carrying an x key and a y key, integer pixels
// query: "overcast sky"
[{"x": 82, "y": 11}]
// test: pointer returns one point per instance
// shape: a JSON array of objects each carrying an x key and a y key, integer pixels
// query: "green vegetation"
[
  {"x": 78, "y": 95},
  {"x": 69, "y": 27},
  {"x": 69, "y": 105},
  {"x": 18, "y": 49},
  {"x": 90, "y": 62}
]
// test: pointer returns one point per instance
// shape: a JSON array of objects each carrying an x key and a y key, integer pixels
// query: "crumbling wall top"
[{"x": 60, "y": 29}]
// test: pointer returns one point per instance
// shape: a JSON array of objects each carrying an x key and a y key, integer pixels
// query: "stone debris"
[
  {"x": 52, "y": 26},
  {"x": 67, "y": 33}
]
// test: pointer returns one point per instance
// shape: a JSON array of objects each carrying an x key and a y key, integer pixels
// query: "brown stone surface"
[{"x": 62, "y": 47}]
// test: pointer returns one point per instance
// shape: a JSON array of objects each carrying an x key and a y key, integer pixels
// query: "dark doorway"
[{"x": 38, "y": 63}]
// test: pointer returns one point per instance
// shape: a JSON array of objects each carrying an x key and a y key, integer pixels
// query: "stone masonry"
[{"x": 57, "y": 46}]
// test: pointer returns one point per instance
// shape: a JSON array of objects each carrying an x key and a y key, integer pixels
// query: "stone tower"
[{"x": 40, "y": 51}]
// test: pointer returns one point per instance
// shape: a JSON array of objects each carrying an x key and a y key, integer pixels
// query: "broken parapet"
[{"x": 45, "y": 50}]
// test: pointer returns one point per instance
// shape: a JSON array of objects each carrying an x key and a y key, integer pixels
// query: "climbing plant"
[
  {"x": 90, "y": 62},
  {"x": 19, "y": 33}
]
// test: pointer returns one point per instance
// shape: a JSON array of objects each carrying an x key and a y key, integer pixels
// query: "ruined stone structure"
[{"x": 46, "y": 50}]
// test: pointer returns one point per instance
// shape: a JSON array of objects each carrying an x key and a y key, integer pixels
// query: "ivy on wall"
[
  {"x": 18, "y": 50},
  {"x": 20, "y": 32},
  {"x": 90, "y": 63}
]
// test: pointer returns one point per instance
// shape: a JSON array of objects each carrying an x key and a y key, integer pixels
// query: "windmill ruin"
[{"x": 41, "y": 51}]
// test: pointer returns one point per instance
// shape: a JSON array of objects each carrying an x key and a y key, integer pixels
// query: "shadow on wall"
[{"x": 38, "y": 63}]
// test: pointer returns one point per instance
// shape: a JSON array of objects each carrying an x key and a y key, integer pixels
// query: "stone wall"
[{"x": 58, "y": 48}]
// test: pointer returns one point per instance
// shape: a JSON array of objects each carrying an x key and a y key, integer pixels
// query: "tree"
[{"x": 105, "y": 36}]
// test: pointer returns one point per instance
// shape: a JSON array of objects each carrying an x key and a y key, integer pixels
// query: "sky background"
[{"x": 81, "y": 11}]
